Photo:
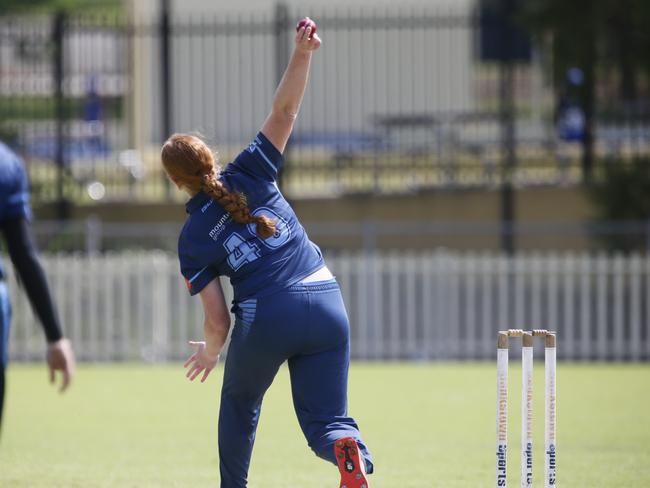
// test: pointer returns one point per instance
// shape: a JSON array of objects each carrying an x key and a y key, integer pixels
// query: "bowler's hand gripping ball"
[{"x": 307, "y": 22}]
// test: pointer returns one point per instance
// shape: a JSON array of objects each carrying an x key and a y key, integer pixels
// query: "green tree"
[
  {"x": 623, "y": 195},
  {"x": 22, "y": 6},
  {"x": 594, "y": 36},
  {"x": 572, "y": 28}
]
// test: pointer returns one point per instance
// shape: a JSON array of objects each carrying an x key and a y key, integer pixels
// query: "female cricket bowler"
[{"x": 287, "y": 304}]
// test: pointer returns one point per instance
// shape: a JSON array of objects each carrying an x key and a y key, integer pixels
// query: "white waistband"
[{"x": 322, "y": 274}]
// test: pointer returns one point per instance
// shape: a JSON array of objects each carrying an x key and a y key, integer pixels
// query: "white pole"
[
  {"x": 502, "y": 409},
  {"x": 550, "y": 413},
  {"x": 527, "y": 410}
]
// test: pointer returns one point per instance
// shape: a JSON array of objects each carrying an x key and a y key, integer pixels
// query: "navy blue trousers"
[
  {"x": 306, "y": 325},
  {"x": 5, "y": 321}
]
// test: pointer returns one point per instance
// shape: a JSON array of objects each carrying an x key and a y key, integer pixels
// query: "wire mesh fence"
[{"x": 400, "y": 99}]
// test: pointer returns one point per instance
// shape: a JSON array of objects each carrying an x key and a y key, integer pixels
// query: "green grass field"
[{"x": 428, "y": 426}]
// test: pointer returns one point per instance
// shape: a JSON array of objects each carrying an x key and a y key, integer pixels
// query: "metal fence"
[
  {"x": 400, "y": 98},
  {"x": 402, "y": 306}
]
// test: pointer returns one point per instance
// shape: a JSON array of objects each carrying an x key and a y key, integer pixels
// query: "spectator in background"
[
  {"x": 15, "y": 216},
  {"x": 570, "y": 115},
  {"x": 93, "y": 138}
]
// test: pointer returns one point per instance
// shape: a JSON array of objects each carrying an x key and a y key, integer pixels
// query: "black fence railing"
[{"x": 400, "y": 99}]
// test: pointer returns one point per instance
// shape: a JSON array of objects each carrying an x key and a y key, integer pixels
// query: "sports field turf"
[{"x": 428, "y": 426}]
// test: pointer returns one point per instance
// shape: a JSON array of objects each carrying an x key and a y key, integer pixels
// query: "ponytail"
[
  {"x": 190, "y": 164},
  {"x": 235, "y": 204}
]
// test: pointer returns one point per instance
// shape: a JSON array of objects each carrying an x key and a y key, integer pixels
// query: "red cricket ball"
[{"x": 307, "y": 22}]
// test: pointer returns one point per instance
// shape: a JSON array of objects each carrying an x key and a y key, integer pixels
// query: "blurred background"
[{"x": 466, "y": 165}]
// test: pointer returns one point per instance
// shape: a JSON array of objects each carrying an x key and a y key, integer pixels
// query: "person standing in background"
[{"x": 15, "y": 216}]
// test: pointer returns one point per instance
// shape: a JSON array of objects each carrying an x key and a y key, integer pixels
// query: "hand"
[
  {"x": 60, "y": 357},
  {"x": 305, "y": 41},
  {"x": 200, "y": 361}
]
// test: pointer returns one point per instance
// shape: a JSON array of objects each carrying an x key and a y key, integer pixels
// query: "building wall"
[
  {"x": 198, "y": 7},
  {"x": 224, "y": 78}
]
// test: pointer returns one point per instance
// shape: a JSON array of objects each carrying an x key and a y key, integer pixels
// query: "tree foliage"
[
  {"x": 598, "y": 37},
  {"x": 607, "y": 33},
  {"x": 26, "y": 6},
  {"x": 623, "y": 195}
]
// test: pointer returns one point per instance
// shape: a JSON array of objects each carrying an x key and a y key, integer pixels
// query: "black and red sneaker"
[{"x": 351, "y": 464}]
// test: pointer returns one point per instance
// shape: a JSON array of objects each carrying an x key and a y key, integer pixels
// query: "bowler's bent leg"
[{"x": 319, "y": 380}]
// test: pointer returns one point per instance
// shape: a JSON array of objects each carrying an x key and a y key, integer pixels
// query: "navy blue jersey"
[
  {"x": 211, "y": 244},
  {"x": 14, "y": 192}
]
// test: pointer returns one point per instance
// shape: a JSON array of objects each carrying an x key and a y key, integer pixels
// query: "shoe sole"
[{"x": 350, "y": 463}]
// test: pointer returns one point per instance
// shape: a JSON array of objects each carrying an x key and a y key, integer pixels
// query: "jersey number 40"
[{"x": 240, "y": 251}]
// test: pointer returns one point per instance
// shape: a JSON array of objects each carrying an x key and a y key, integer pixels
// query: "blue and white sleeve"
[
  {"x": 196, "y": 276},
  {"x": 16, "y": 197},
  {"x": 260, "y": 159}
]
